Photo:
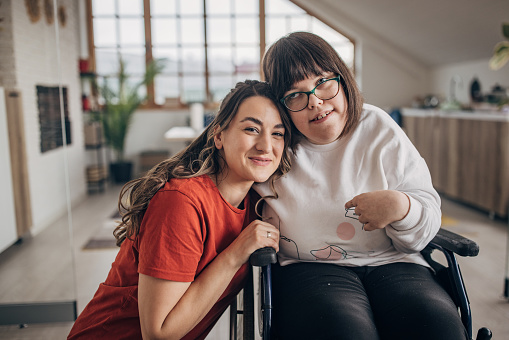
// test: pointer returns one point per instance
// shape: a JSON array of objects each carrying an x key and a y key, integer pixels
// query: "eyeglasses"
[{"x": 298, "y": 101}]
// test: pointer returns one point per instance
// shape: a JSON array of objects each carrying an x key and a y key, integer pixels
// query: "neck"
[{"x": 233, "y": 192}]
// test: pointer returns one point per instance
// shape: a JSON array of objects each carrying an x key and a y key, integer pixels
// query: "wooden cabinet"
[{"x": 467, "y": 154}]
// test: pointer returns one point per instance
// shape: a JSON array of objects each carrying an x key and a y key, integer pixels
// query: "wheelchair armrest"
[
  {"x": 263, "y": 257},
  {"x": 455, "y": 243}
]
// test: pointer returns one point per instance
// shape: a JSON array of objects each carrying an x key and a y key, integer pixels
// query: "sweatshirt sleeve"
[{"x": 421, "y": 224}]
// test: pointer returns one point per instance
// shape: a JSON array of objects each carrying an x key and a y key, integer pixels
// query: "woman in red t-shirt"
[{"x": 189, "y": 226}]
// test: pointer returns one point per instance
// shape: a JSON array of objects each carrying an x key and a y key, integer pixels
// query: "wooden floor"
[{"x": 40, "y": 269}]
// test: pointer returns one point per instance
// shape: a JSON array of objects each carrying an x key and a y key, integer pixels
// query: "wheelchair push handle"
[{"x": 263, "y": 257}]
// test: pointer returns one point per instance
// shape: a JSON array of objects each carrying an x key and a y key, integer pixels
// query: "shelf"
[
  {"x": 87, "y": 75},
  {"x": 93, "y": 147}
]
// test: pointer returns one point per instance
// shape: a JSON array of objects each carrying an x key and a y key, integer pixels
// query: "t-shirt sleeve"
[{"x": 171, "y": 237}]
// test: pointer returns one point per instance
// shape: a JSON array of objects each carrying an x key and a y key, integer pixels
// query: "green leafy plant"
[
  {"x": 501, "y": 52},
  {"x": 120, "y": 103}
]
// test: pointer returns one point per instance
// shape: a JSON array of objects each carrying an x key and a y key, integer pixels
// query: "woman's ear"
[{"x": 218, "y": 140}]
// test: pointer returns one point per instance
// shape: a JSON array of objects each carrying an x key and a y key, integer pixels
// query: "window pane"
[
  {"x": 133, "y": 81},
  {"x": 219, "y": 31},
  {"x": 171, "y": 56},
  {"x": 192, "y": 31},
  {"x": 134, "y": 59},
  {"x": 130, "y": 7},
  {"x": 192, "y": 7},
  {"x": 220, "y": 86},
  {"x": 247, "y": 30},
  {"x": 346, "y": 52},
  {"x": 112, "y": 83},
  {"x": 247, "y": 6},
  {"x": 132, "y": 32},
  {"x": 326, "y": 32},
  {"x": 300, "y": 23},
  {"x": 218, "y": 7},
  {"x": 106, "y": 61},
  {"x": 244, "y": 76},
  {"x": 282, "y": 7},
  {"x": 220, "y": 59},
  {"x": 165, "y": 87},
  {"x": 275, "y": 29},
  {"x": 193, "y": 59},
  {"x": 164, "y": 31},
  {"x": 105, "y": 32},
  {"x": 160, "y": 7},
  {"x": 247, "y": 59},
  {"x": 193, "y": 89},
  {"x": 103, "y": 7}
]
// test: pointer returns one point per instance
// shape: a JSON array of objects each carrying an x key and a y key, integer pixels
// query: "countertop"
[{"x": 500, "y": 116}]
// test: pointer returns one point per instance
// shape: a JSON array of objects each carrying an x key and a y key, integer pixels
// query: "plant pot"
[{"x": 121, "y": 172}]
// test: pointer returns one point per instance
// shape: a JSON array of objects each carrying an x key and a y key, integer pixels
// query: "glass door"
[{"x": 41, "y": 151}]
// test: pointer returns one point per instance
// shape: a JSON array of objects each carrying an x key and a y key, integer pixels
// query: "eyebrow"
[
  {"x": 259, "y": 122},
  {"x": 324, "y": 74}
]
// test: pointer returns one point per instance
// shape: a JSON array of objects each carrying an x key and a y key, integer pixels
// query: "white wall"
[
  {"x": 147, "y": 132},
  {"x": 34, "y": 49},
  {"x": 441, "y": 78}
]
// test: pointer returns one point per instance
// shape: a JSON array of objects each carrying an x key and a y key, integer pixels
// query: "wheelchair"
[{"x": 446, "y": 242}]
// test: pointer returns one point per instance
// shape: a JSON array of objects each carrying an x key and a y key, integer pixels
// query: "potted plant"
[{"x": 116, "y": 113}]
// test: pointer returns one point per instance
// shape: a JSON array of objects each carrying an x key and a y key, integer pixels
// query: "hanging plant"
[
  {"x": 33, "y": 10},
  {"x": 48, "y": 11},
  {"x": 501, "y": 51}
]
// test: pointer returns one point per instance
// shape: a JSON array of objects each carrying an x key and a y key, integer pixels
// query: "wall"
[
  {"x": 441, "y": 78},
  {"x": 147, "y": 132},
  {"x": 35, "y": 62}
]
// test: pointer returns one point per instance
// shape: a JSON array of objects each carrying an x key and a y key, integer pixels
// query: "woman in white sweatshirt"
[{"x": 354, "y": 212}]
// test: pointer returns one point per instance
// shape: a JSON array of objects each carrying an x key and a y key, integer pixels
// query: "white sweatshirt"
[{"x": 310, "y": 213}]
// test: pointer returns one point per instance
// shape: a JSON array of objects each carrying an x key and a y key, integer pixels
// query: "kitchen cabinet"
[{"x": 467, "y": 154}]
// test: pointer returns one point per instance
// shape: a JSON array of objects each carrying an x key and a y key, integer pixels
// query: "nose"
[
  {"x": 264, "y": 143},
  {"x": 313, "y": 101}
]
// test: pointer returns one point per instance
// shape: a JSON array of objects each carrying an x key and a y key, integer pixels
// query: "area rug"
[{"x": 103, "y": 237}]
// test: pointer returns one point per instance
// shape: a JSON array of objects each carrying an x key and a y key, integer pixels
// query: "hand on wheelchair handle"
[{"x": 263, "y": 257}]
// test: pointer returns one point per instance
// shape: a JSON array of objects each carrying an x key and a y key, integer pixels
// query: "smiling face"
[
  {"x": 321, "y": 121},
  {"x": 253, "y": 143}
]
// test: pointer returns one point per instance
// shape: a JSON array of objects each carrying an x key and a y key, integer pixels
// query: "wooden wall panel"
[{"x": 19, "y": 166}]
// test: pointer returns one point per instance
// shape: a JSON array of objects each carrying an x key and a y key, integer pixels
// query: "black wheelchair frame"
[{"x": 449, "y": 276}]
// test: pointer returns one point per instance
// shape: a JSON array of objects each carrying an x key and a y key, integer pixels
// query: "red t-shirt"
[{"x": 186, "y": 225}]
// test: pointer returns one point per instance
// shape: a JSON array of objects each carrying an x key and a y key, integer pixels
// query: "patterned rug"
[{"x": 103, "y": 238}]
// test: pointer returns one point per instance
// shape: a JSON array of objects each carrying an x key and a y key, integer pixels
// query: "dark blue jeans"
[{"x": 394, "y": 301}]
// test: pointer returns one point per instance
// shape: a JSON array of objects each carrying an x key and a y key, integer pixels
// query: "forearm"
[
  {"x": 421, "y": 224},
  {"x": 198, "y": 299}
]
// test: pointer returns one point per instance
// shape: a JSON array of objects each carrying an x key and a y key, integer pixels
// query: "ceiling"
[{"x": 434, "y": 32}]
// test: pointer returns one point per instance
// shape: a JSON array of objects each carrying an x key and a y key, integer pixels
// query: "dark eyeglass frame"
[{"x": 283, "y": 100}]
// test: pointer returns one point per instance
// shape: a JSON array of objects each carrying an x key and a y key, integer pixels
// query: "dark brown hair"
[
  {"x": 300, "y": 55},
  {"x": 201, "y": 157}
]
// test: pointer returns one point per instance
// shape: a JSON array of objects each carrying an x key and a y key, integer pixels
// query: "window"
[{"x": 209, "y": 45}]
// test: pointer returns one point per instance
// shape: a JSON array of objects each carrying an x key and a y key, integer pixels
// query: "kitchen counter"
[
  {"x": 499, "y": 116},
  {"x": 467, "y": 154}
]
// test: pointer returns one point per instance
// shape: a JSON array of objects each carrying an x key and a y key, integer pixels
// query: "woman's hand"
[
  {"x": 258, "y": 234},
  {"x": 377, "y": 209}
]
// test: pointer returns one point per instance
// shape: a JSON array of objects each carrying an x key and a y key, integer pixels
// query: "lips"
[
  {"x": 260, "y": 161},
  {"x": 321, "y": 116}
]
